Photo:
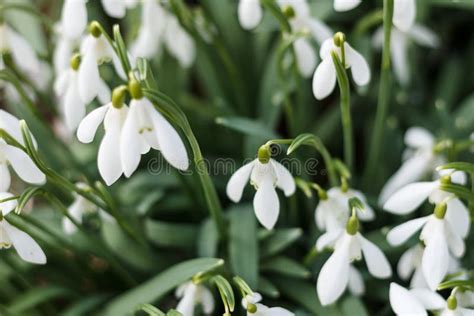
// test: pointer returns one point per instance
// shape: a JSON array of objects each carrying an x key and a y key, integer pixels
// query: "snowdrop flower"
[
  {"x": 264, "y": 173},
  {"x": 179, "y": 43},
  {"x": 254, "y": 308},
  {"x": 333, "y": 209},
  {"x": 324, "y": 79},
  {"x": 399, "y": 43},
  {"x": 452, "y": 308},
  {"x": 146, "y": 128},
  {"x": 192, "y": 295},
  {"x": 415, "y": 301},
  {"x": 250, "y": 13},
  {"x": 404, "y": 11},
  {"x": 74, "y": 18},
  {"x": 441, "y": 234},
  {"x": 24, "y": 245},
  {"x": 349, "y": 245},
  {"x": 117, "y": 8},
  {"x": 420, "y": 159},
  {"x": 66, "y": 88}
]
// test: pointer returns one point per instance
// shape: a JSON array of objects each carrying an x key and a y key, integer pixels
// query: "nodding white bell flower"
[
  {"x": 66, "y": 87},
  {"x": 146, "y": 128},
  {"x": 333, "y": 209},
  {"x": 23, "y": 54},
  {"x": 191, "y": 295},
  {"x": 74, "y": 18},
  {"x": 413, "y": 302},
  {"x": 24, "y": 245},
  {"x": 265, "y": 174},
  {"x": 441, "y": 233},
  {"x": 179, "y": 43},
  {"x": 117, "y": 8},
  {"x": 254, "y": 308},
  {"x": 457, "y": 311},
  {"x": 108, "y": 158},
  {"x": 63, "y": 50},
  {"x": 465, "y": 298},
  {"x": 404, "y": 11},
  {"x": 324, "y": 79},
  {"x": 349, "y": 245},
  {"x": 399, "y": 43},
  {"x": 250, "y": 14},
  {"x": 420, "y": 160}
]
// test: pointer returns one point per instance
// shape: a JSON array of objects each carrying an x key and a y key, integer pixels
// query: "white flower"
[
  {"x": 262, "y": 310},
  {"x": 264, "y": 177},
  {"x": 459, "y": 311},
  {"x": 399, "y": 42},
  {"x": 404, "y": 11},
  {"x": 63, "y": 50},
  {"x": 192, "y": 295},
  {"x": 117, "y": 8},
  {"x": 420, "y": 159},
  {"x": 324, "y": 79},
  {"x": 415, "y": 301},
  {"x": 336, "y": 272},
  {"x": 108, "y": 159},
  {"x": 179, "y": 43},
  {"x": 334, "y": 212},
  {"x": 24, "y": 245},
  {"x": 74, "y": 18},
  {"x": 250, "y": 13},
  {"x": 145, "y": 127}
]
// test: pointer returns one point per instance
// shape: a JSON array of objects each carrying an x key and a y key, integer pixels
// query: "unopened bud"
[
  {"x": 440, "y": 210},
  {"x": 94, "y": 29},
  {"x": 75, "y": 62},
  {"x": 339, "y": 39},
  {"x": 264, "y": 154},
  {"x": 352, "y": 226},
  {"x": 288, "y": 11}
]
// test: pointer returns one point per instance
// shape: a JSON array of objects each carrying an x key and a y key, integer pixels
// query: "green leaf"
[
  {"x": 459, "y": 191},
  {"x": 353, "y": 306},
  {"x": 173, "y": 312},
  {"x": 279, "y": 240},
  {"x": 461, "y": 4},
  {"x": 247, "y": 126},
  {"x": 35, "y": 297},
  {"x": 85, "y": 305},
  {"x": 267, "y": 288},
  {"x": 243, "y": 244},
  {"x": 158, "y": 286},
  {"x": 171, "y": 234},
  {"x": 461, "y": 166},
  {"x": 285, "y": 266},
  {"x": 466, "y": 284},
  {"x": 225, "y": 290},
  {"x": 150, "y": 310},
  {"x": 208, "y": 239}
]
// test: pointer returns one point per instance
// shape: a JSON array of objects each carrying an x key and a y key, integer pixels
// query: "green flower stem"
[
  {"x": 345, "y": 105},
  {"x": 368, "y": 21},
  {"x": 384, "y": 94}
]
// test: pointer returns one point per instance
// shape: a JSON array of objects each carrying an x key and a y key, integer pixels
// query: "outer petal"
[
  {"x": 5, "y": 178},
  {"x": 324, "y": 79},
  {"x": 114, "y": 8},
  {"x": 405, "y": 264},
  {"x": 430, "y": 300},
  {"x": 74, "y": 108},
  {"x": 88, "y": 127},
  {"x": 345, "y": 5},
  {"x": 12, "y": 125},
  {"x": 266, "y": 204},
  {"x": 23, "y": 165},
  {"x": 334, "y": 276},
  {"x": 207, "y": 300},
  {"x": 23, "y": 54},
  {"x": 179, "y": 43},
  {"x": 458, "y": 215},
  {"x": 419, "y": 137},
  {"x": 250, "y": 13},
  {"x": 435, "y": 260},
  {"x": 285, "y": 180},
  {"x": 319, "y": 30},
  {"x": 305, "y": 57},
  {"x": 186, "y": 305},
  {"x": 76, "y": 211},
  {"x": 130, "y": 140},
  {"x": 359, "y": 67},
  {"x": 327, "y": 239},
  {"x": 398, "y": 50},
  {"x": 89, "y": 78},
  {"x": 455, "y": 242},
  {"x": 237, "y": 182},
  {"x": 403, "y": 232},
  {"x": 408, "y": 198},
  {"x": 424, "y": 36},
  {"x": 356, "y": 282},
  {"x": 405, "y": 303},
  {"x": 74, "y": 18},
  {"x": 377, "y": 263},
  {"x": 103, "y": 93},
  {"x": 108, "y": 159},
  {"x": 7, "y": 207},
  {"x": 404, "y": 13},
  {"x": 24, "y": 245}
]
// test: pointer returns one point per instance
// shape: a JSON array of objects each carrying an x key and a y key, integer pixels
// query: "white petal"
[
  {"x": 114, "y": 8},
  {"x": 103, "y": 93},
  {"x": 430, "y": 300},
  {"x": 130, "y": 140},
  {"x": 455, "y": 242},
  {"x": 61, "y": 83},
  {"x": 458, "y": 215},
  {"x": 404, "y": 13},
  {"x": 23, "y": 165},
  {"x": 274, "y": 311},
  {"x": 404, "y": 303},
  {"x": 319, "y": 30},
  {"x": 76, "y": 211},
  {"x": 62, "y": 55},
  {"x": 359, "y": 67},
  {"x": 179, "y": 43},
  {"x": 24, "y": 245},
  {"x": 88, "y": 127},
  {"x": 285, "y": 180},
  {"x": 401, "y": 233},
  {"x": 356, "y": 282},
  {"x": 408, "y": 198},
  {"x": 237, "y": 182},
  {"x": 419, "y": 137},
  {"x": 377, "y": 263},
  {"x": 324, "y": 79},
  {"x": 418, "y": 279},
  {"x": 327, "y": 239},
  {"x": 74, "y": 18},
  {"x": 22, "y": 53},
  {"x": 333, "y": 277},
  {"x": 11, "y": 125},
  {"x": 109, "y": 160},
  {"x": 405, "y": 264},
  {"x": 250, "y": 13},
  {"x": 424, "y": 36},
  {"x": 171, "y": 145},
  {"x": 305, "y": 57},
  {"x": 435, "y": 257},
  {"x": 207, "y": 300},
  {"x": 186, "y": 305},
  {"x": 345, "y": 5},
  {"x": 398, "y": 50},
  {"x": 74, "y": 108},
  {"x": 8, "y": 206},
  {"x": 89, "y": 78},
  {"x": 5, "y": 178},
  {"x": 266, "y": 204}
]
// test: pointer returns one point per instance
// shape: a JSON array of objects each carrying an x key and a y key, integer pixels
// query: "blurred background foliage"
[{"x": 234, "y": 97}]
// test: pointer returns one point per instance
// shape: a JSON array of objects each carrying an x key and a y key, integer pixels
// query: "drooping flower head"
[
  {"x": 254, "y": 308},
  {"x": 190, "y": 295},
  {"x": 416, "y": 301}
]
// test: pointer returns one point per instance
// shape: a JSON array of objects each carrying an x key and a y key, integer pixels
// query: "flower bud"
[
  {"x": 75, "y": 62},
  {"x": 135, "y": 89},
  {"x": 288, "y": 11},
  {"x": 440, "y": 210},
  {"x": 251, "y": 308},
  {"x": 352, "y": 226},
  {"x": 452, "y": 302},
  {"x": 339, "y": 39},
  {"x": 94, "y": 29},
  {"x": 264, "y": 154},
  {"x": 118, "y": 96}
]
